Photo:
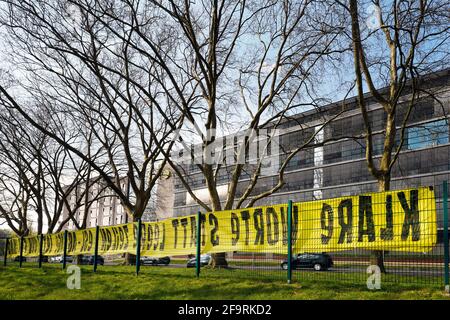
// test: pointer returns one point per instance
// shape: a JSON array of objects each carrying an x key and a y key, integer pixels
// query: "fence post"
[
  {"x": 446, "y": 246},
  {"x": 289, "y": 242},
  {"x": 6, "y": 252},
  {"x": 138, "y": 246},
  {"x": 65, "y": 250},
  {"x": 97, "y": 231},
  {"x": 199, "y": 233},
  {"x": 21, "y": 252},
  {"x": 41, "y": 239}
]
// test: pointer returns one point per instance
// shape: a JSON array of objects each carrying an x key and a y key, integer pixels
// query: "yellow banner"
[
  {"x": 401, "y": 220},
  {"x": 13, "y": 247},
  {"x": 116, "y": 239},
  {"x": 258, "y": 229},
  {"x": 30, "y": 246},
  {"x": 112, "y": 240},
  {"x": 171, "y": 237},
  {"x": 53, "y": 244}
]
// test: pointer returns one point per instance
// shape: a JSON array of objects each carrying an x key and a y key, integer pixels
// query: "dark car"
[
  {"x": 90, "y": 260},
  {"x": 318, "y": 261},
  {"x": 145, "y": 261},
  {"x": 17, "y": 259},
  {"x": 205, "y": 259}
]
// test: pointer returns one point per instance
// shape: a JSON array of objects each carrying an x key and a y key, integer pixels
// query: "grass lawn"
[{"x": 119, "y": 282}]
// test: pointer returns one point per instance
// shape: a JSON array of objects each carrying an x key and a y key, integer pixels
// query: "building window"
[{"x": 428, "y": 134}]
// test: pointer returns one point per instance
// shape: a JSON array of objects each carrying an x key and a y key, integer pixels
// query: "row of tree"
[{"x": 97, "y": 90}]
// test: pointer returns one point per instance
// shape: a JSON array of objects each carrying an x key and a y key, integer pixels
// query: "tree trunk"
[
  {"x": 78, "y": 258},
  {"x": 130, "y": 258},
  {"x": 377, "y": 257},
  {"x": 219, "y": 260}
]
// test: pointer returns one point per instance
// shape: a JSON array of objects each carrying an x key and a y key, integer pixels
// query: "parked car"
[
  {"x": 318, "y": 261},
  {"x": 90, "y": 260},
  {"x": 44, "y": 259},
  {"x": 69, "y": 259},
  {"x": 205, "y": 259},
  {"x": 17, "y": 259},
  {"x": 55, "y": 259},
  {"x": 146, "y": 261}
]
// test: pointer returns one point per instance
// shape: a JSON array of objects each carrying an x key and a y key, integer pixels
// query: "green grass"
[{"x": 119, "y": 282}]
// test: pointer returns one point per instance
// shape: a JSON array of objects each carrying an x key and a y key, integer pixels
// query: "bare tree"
[
  {"x": 136, "y": 72},
  {"x": 15, "y": 198},
  {"x": 249, "y": 64},
  {"x": 82, "y": 73},
  {"x": 408, "y": 39},
  {"x": 38, "y": 176},
  {"x": 68, "y": 185},
  {"x": 20, "y": 178}
]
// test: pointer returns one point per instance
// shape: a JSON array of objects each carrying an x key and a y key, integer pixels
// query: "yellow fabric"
[
  {"x": 175, "y": 236},
  {"x": 401, "y": 220},
  {"x": 316, "y": 235},
  {"x": 325, "y": 226}
]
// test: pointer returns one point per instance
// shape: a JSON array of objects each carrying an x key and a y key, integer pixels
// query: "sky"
[{"x": 328, "y": 87}]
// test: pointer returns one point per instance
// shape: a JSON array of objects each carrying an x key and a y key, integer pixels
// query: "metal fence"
[
  {"x": 414, "y": 264},
  {"x": 424, "y": 258}
]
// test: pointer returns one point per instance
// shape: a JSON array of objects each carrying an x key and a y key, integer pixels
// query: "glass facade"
[
  {"x": 339, "y": 168},
  {"x": 428, "y": 134}
]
